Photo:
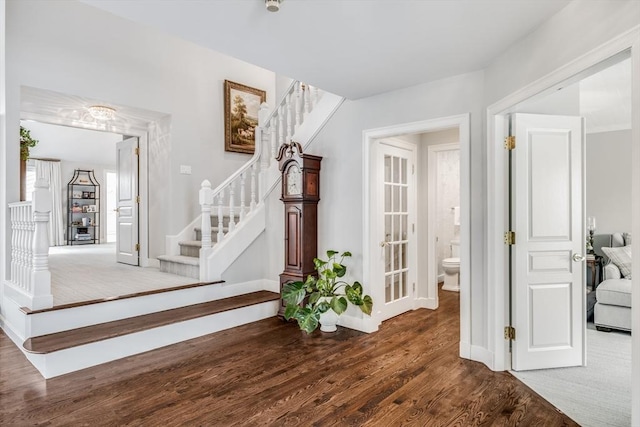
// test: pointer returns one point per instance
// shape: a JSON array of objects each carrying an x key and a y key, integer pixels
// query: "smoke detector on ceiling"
[{"x": 272, "y": 5}]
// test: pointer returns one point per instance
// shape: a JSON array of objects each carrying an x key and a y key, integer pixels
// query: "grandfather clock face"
[{"x": 293, "y": 180}]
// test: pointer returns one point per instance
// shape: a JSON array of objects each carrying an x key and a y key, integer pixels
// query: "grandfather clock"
[{"x": 300, "y": 194}]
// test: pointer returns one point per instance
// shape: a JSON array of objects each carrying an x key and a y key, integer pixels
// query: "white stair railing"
[
  {"x": 231, "y": 196},
  {"x": 30, "y": 275}
]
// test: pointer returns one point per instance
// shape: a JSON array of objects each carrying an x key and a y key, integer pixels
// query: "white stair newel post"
[
  {"x": 298, "y": 105},
  {"x": 220, "y": 217},
  {"x": 242, "y": 196},
  {"x": 206, "y": 200},
  {"x": 24, "y": 235},
  {"x": 280, "y": 126},
  {"x": 252, "y": 206},
  {"x": 13, "y": 246},
  {"x": 289, "y": 118},
  {"x": 274, "y": 137},
  {"x": 315, "y": 95},
  {"x": 40, "y": 274},
  {"x": 232, "y": 211}
]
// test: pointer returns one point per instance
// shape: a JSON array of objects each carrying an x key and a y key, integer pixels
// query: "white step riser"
[
  {"x": 192, "y": 251},
  {"x": 77, "y": 358},
  {"x": 185, "y": 270},
  {"x": 77, "y": 317}
]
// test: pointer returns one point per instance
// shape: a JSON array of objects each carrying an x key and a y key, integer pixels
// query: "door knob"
[
  {"x": 578, "y": 257},
  {"x": 116, "y": 210},
  {"x": 383, "y": 244}
]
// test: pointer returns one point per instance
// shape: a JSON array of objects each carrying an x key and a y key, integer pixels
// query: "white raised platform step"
[{"x": 68, "y": 340}]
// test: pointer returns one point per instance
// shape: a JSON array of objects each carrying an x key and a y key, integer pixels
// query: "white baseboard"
[
  {"x": 365, "y": 324},
  {"x": 428, "y": 303},
  {"x": 477, "y": 354}
]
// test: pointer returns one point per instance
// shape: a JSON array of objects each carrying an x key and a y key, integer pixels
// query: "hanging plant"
[{"x": 26, "y": 142}]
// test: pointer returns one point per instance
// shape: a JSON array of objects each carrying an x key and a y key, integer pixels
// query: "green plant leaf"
[
  {"x": 293, "y": 293},
  {"x": 339, "y": 304},
  {"x": 339, "y": 269},
  {"x": 367, "y": 305},
  {"x": 357, "y": 287},
  {"x": 331, "y": 253},
  {"x": 329, "y": 274},
  {"x": 318, "y": 263},
  {"x": 323, "y": 307},
  {"x": 346, "y": 253},
  {"x": 291, "y": 311},
  {"x": 353, "y": 294},
  {"x": 314, "y": 297},
  {"x": 307, "y": 319}
]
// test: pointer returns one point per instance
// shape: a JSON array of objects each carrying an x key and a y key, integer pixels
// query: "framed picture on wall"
[{"x": 241, "y": 106}]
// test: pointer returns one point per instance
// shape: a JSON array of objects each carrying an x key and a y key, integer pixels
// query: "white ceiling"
[{"x": 353, "y": 48}]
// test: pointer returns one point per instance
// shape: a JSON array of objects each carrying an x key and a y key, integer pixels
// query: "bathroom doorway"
[{"x": 443, "y": 206}]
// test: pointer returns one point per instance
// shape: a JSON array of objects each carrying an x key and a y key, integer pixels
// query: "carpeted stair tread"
[{"x": 89, "y": 334}]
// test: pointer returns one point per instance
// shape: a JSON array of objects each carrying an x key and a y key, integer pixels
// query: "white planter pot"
[{"x": 328, "y": 319}]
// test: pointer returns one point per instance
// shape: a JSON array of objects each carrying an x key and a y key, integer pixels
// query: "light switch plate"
[{"x": 185, "y": 169}]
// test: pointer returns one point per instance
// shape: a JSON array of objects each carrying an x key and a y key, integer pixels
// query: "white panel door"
[
  {"x": 548, "y": 256},
  {"x": 127, "y": 248},
  {"x": 395, "y": 227}
]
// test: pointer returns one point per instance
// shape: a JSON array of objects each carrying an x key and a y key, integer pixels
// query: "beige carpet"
[
  {"x": 82, "y": 273},
  {"x": 596, "y": 395}
]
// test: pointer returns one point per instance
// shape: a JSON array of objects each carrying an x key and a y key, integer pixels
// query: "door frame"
[
  {"x": 497, "y": 202},
  {"x": 370, "y": 136},
  {"x": 144, "y": 137},
  {"x": 432, "y": 181}
]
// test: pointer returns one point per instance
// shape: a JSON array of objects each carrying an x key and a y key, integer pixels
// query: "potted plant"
[
  {"x": 26, "y": 142},
  {"x": 325, "y": 297}
]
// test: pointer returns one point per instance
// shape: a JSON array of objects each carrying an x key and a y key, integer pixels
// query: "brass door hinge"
[
  {"x": 509, "y": 333},
  {"x": 509, "y": 238},
  {"x": 137, "y": 247},
  {"x": 510, "y": 143},
  {"x": 137, "y": 151},
  {"x": 137, "y": 199}
]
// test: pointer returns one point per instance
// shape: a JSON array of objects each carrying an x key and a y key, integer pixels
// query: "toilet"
[{"x": 451, "y": 267}]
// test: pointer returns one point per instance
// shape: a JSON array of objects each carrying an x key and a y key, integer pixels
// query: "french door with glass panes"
[{"x": 395, "y": 201}]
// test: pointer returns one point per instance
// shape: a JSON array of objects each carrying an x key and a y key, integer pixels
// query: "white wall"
[
  {"x": 572, "y": 32},
  {"x": 609, "y": 180},
  {"x": 340, "y": 143},
  {"x": 75, "y": 49}
]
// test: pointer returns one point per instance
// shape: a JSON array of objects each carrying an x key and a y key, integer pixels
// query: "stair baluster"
[
  {"x": 289, "y": 108},
  {"x": 280, "y": 126},
  {"x": 242, "y": 196},
  {"x": 274, "y": 137},
  {"x": 307, "y": 101},
  {"x": 232, "y": 211},
  {"x": 220, "y": 218},
  {"x": 298, "y": 106},
  {"x": 206, "y": 200},
  {"x": 254, "y": 185}
]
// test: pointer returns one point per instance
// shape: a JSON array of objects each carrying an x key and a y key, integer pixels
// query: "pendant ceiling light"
[
  {"x": 102, "y": 112},
  {"x": 272, "y": 5}
]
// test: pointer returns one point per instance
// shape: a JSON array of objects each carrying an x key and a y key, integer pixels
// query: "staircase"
[
  {"x": 187, "y": 261},
  {"x": 233, "y": 214}
]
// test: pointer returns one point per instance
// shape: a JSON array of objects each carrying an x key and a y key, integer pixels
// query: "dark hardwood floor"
[{"x": 270, "y": 373}]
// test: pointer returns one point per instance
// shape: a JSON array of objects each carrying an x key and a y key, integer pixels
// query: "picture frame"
[
  {"x": 85, "y": 194},
  {"x": 241, "y": 107},
  {"x": 76, "y": 194},
  {"x": 92, "y": 194},
  {"x": 91, "y": 208},
  {"x": 84, "y": 209}
]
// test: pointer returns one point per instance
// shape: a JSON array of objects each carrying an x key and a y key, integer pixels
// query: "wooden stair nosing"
[
  {"x": 89, "y": 334},
  {"x": 28, "y": 311}
]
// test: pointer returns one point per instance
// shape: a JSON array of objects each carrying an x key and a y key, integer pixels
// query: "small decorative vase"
[{"x": 328, "y": 319}]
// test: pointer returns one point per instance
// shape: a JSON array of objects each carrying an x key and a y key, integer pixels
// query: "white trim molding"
[{"x": 463, "y": 123}]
